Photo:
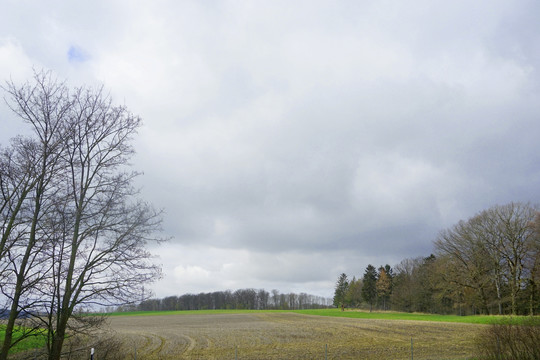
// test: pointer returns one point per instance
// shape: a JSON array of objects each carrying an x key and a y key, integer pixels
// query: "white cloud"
[
  {"x": 14, "y": 62},
  {"x": 289, "y": 142}
]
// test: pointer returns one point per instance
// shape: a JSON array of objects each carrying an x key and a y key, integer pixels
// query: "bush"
[
  {"x": 108, "y": 346},
  {"x": 511, "y": 340}
]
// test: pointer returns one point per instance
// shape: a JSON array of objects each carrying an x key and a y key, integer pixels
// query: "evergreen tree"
[
  {"x": 342, "y": 285},
  {"x": 369, "y": 288}
]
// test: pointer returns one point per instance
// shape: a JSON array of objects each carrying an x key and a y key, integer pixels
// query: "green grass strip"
[
  {"x": 357, "y": 314},
  {"x": 32, "y": 342},
  {"x": 192, "y": 312},
  {"x": 388, "y": 315}
]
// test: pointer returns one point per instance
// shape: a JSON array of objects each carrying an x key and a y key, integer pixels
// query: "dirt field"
[{"x": 288, "y": 336}]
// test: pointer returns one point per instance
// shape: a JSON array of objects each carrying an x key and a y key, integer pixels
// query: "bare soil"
[{"x": 288, "y": 336}]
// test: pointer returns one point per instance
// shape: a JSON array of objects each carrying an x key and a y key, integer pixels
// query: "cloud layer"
[{"x": 292, "y": 141}]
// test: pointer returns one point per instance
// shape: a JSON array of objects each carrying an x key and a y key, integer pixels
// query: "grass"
[
  {"x": 32, "y": 342},
  {"x": 351, "y": 313},
  {"x": 191, "y": 312},
  {"x": 389, "y": 315}
]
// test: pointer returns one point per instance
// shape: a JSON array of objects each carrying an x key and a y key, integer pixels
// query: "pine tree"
[
  {"x": 342, "y": 285},
  {"x": 369, "y": 288}
]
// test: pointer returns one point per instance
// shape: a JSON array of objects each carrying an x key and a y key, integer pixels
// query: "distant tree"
[
  {"x": 150, "y": 305},
  {"x": 534, "y": 266},
  {"x": 275, "y": 298},
  {"x": 292, "y": 299},
  {"x": 169, "y": 303},
  {"x": 283, "y": 303},
  {"x": 513, "y": 239},
  {"x": 245, "y": 298},
  {"x": 469, "y": 262},
  {"x": 369, "y": 287},
  {"x": 403, "y": 290},
  {"x": 488, "y": 263},
  {"x": 263, "y": 297},
  {"x": 340, "y": 291},
  {"x": 424, "y": 287},
  {"x": 303, "y": 300},
  {"x": 241, "y": 299},
  {"x": 384, "y": 285},
  {"x": 413, "y": 288},
  {"x": 354, "y": 292}
]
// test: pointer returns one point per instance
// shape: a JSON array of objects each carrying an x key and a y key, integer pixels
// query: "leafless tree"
[
  {"x": 496, "y": 248},
  {"x": 88, "y": 229},
  {"x": 511, "y": 237},
  {"x": 534, "y": 264},
  {"x": 467, "y": 260},
  {"x": 32, "y": 166}
]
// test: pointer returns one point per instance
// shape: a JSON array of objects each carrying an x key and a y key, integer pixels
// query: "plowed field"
[{"x": 289, "y": 336}]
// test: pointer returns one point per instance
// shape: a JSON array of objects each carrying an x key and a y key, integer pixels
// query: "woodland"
[{"x": 488, "y": 264}]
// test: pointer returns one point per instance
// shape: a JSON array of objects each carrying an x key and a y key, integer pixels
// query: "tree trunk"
[
  {"x": 513, "y": 296},
  {"x": 499, "y": 300},
  {"x": 14, "y": 313},
  {"x": 59, "y": 336},
  {"x": 9, "y": 333},
  {"x": 484, "y": 301},
  {"x": 57, "y": 344},
  {"x": 531, "y": 298}
]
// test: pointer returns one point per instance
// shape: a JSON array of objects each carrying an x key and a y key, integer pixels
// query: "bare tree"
[
  {"x": 467, "y": 259},
  {"x": 512, "y": 237},
  {"x": 534, "y": 266},
  {"x": 30, "y": 189},
  {"x": 497, "y": 249},
  {"x": 89, "y": 244}
]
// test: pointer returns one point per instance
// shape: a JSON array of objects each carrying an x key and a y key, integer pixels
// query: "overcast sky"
[{"x": 291, "y": 141}]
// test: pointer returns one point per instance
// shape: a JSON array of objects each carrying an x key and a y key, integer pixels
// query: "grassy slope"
[
  {"x": 32, "y": 342},
  {"x": 478, "y": 319},
  {"x": 191, "y": 312}
]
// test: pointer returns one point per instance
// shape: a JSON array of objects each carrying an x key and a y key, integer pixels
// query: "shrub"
[
  {"x": 511, "y": 340},
  {"x": 108, "y": 346}
]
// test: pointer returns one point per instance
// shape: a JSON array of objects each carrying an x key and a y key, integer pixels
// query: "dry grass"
[{"x": 288, "y": 336}]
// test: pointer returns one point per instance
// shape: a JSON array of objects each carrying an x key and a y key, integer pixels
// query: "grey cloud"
[{"x": 281, "y": 137}]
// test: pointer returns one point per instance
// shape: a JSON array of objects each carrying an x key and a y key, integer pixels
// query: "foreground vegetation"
[
  {"x": 273, "y": 334},
  {"x": 511, "y": 341},
  {"x": 37, "y": 341}
]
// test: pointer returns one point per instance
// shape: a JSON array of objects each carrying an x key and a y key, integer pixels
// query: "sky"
[{"x": 291, "y": 141}]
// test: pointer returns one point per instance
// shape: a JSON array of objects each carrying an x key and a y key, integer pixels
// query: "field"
[
  {"x": 32, "y": 342},
  {"x": 288, "y": 335}
]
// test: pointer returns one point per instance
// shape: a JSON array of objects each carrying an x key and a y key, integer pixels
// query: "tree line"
[
  {"x": 73, "y": 230},
  {"x": 488, "y": 264},
  {"x": 251, "y": 299}
]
